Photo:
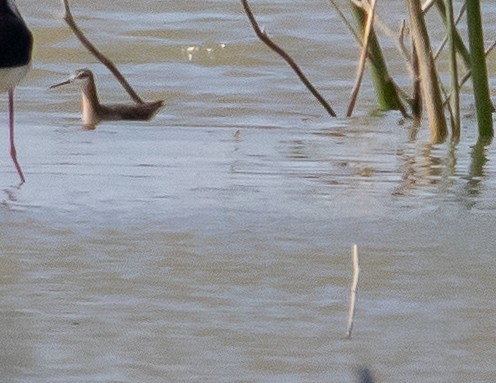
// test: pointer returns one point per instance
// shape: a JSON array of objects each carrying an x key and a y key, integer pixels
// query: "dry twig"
[
  {"x": 276, "y": 48},
  {"x": 100, "y": 56},
  {"x": 370, "y": 8}
]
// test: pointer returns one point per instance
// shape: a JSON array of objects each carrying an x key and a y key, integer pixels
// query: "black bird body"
[
  {"x": 16, "y": 44},
  {"x": 16, "y": 41}
]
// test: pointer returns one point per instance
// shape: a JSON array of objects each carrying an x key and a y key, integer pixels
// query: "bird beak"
[{"x": 60, "y": 84}]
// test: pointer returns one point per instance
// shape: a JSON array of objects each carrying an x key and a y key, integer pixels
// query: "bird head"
[{"x": 80, "y": 76}]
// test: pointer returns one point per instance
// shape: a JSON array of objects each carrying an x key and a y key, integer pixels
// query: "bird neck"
[{"x": 90, "y": 104}]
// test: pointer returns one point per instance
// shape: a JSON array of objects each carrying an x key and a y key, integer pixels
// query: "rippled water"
[{"x": 212, "y": 244}]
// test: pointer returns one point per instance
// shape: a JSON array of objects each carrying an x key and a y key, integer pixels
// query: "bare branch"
[
  {"x": 100, "y": 56},
  {"x": 265, "y": 39}
]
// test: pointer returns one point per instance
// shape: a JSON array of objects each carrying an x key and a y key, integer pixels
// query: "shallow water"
[{"x": 213, "y": 243}]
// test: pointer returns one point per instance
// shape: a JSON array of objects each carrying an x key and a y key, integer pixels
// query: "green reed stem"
[
  {"x": 453, "y": 66},
  {"x": 483, "y": 105},
  {"x": 458, "y": 42}
]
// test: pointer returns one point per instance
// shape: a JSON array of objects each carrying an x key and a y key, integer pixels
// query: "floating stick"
[{"x": 354, "y": 290}]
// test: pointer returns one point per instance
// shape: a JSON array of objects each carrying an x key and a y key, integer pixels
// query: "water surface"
[{"x": 213, "y": 243}]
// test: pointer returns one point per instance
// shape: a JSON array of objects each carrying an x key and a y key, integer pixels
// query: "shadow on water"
[{"x": 365, "y": 375}]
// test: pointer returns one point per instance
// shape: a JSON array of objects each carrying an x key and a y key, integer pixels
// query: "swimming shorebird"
[
  {"x": 16, "y": 43},
  {"x": 93, "y": 111}
]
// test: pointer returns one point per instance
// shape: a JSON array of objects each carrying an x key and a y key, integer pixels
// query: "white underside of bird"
[{"x": 10, "y": 77}]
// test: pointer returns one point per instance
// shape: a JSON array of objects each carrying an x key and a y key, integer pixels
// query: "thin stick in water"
[
  {"x": 100, "y": 56},
  {"x": 354, "y": 290},
  {"x": 363, "y": 57},
  {"x": 276, "y": 48}
]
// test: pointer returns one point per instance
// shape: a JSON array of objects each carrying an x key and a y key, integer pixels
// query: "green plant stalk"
[
  {"x": 483, "y": 105},
  {"x": 431, "y": 93},
  {"x": 453, "y": 66},
  {"x": 386, "y": 92},
  {"x": 459, "y": 44}
]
